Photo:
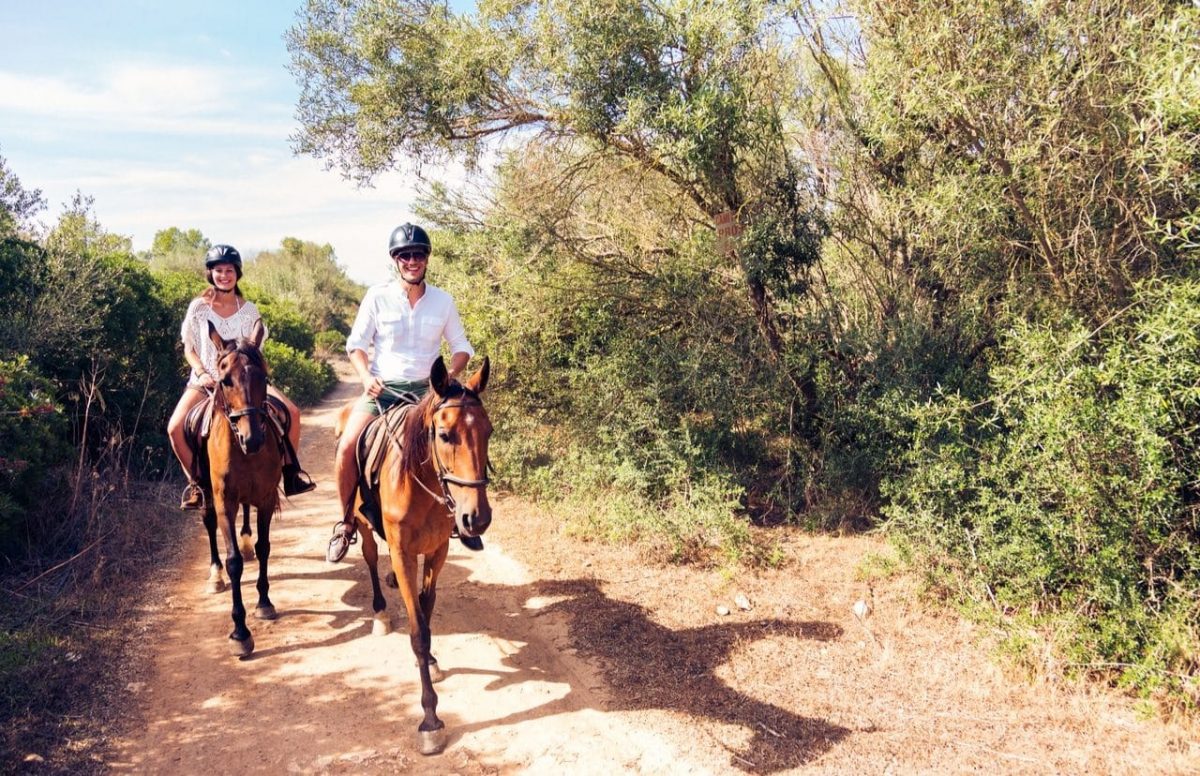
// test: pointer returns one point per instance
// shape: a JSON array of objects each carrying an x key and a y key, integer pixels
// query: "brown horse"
[
  {"x": 241, "y": 462},
  {"x": 432, "y": 479}
]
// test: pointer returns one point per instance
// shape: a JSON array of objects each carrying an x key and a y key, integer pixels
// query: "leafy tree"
[
  {"x": 308, "y": 276},
  {"x": 686, "y": 91},
  {"x": 173, "y": 240},
  {"x": 18, "y": 205},
  {"x": 1018, "y": 152},
  {"x": 178, "y": 250}
]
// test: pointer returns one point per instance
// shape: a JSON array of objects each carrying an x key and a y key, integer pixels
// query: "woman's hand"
[{"x": 206, "y": 381}]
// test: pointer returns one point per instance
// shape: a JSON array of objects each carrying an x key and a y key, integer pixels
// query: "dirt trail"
[
  {"x": 585, "y": 658},
  {"x": 321, "y": 694}
]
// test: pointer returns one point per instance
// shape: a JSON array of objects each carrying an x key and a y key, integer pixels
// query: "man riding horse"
[{"x": 396, "y": 337}]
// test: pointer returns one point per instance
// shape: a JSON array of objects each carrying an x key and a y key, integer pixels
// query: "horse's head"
[
  {"x": 459, "y": 430},
  {"x": 242, "y": 376}
]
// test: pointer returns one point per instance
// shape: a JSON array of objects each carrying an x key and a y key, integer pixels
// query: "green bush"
[
  {"x": 1068, "y": 497},
  {"x": 329, "y": 343},
  {"x": 286, "y": 325},
  {"x": 33, "y": 447},
  {"x": 303, "y": 379}
]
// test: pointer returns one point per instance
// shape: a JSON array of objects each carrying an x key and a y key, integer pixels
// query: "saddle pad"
[
  {"x": 380, "y": 434},
  {"x": 198, "y": 424}
]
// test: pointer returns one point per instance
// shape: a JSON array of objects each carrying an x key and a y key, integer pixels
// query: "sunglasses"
[{"x": 409, "y": 256}]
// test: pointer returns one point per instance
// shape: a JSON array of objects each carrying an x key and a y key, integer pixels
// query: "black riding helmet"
[
  {"x": 223, "y": 254},
  {"x": 409, "y": 236}
]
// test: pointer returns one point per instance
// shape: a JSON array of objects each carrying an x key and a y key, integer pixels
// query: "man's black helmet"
[
  {"x": 410, "y": 237},
  {"x": 223, "y": 254}
]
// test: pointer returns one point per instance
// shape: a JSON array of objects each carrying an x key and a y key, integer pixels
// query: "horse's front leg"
[
  {"x": 431, "y": 731},
  {"x": 265, "y": 609},
  {"x": 245, "y": 541},
  {"x": 216, "y": 582},
  {"x": 370, "y": 550},
  {"x": 242, "y": 643},
  {"x": 428, "y": 598}
]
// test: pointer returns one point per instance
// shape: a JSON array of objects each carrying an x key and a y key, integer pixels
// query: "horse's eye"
[
  {"x": 227, "y": 381},
  {"x": 444, "y": 435}
]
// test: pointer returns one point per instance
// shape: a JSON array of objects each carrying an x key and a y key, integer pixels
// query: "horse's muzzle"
[
  {"x": 473, "y": 519},
  {"x": 252, "y": 443}
]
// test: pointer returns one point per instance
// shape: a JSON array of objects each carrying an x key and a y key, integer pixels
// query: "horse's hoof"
[
  {"x": 432, "y": 741},
  {"x": 216, "y": 580},
  {"x": 265, "y": 613},
  {"x": 435, "y": 672},
  {"x": 382, "y": 624},
  {"x": 243, "y": 648}
]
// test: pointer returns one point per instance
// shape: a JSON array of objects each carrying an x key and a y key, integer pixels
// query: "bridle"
[
  {"x": 468, "y": 398},
  {"x": 232, "y": 415}
]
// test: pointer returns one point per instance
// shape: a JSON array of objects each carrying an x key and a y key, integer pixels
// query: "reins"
[
  {"x": 445, "y": 478},
  {"x": 232, "y": 415}
]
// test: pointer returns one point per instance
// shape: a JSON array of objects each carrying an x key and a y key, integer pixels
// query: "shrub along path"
[{"x": 571, "y": 656}]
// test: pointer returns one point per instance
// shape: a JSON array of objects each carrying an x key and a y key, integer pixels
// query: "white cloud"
[
  {"x": 253, "y": 206},
  {"x": 146, "y": 97},
  {"x": 159, "y": 145}
]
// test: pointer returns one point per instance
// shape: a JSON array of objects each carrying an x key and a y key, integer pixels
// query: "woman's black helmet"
[
  {"x": 409, "y": 237},
  {"x": 223, "y": 254}
]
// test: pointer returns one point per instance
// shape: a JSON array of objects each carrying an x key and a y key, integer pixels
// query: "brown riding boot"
[{"x": 343, "y": 536}]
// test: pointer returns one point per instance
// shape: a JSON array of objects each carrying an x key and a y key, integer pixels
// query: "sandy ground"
[
  {"x": 567, "y": 656},
  {"x": 321, "y": 694}
]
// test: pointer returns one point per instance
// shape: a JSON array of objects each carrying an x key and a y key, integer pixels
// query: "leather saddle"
[
  {"x": 198, "y": 424},
  {"x": 382, "y": 433}
]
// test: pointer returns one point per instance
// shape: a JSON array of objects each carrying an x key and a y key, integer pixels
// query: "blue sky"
[{"x": 179, "y": 114}]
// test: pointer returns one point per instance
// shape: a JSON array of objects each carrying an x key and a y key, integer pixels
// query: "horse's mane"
[{"x": 414, "y": 437}]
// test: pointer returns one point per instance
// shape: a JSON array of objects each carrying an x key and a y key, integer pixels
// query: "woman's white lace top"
[{"x": 195, "y": 330}]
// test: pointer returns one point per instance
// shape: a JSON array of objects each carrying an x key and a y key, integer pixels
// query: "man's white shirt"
[{"x": 404, "y": 340}]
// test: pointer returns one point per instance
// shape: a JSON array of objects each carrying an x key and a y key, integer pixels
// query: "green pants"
[{"x": 394, "y": 392}]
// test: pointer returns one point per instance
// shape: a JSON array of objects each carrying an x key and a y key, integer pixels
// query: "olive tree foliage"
[
  {"x": 21, "y": 265},
  {"x": 18, "y": 205},
  {"x": 634, "y": 396},
  {"x": 686, "y": 91},
  {"x": 1023, "y": 153}
]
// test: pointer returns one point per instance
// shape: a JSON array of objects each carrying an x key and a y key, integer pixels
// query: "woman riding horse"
[{"x": 232, "y": 316}]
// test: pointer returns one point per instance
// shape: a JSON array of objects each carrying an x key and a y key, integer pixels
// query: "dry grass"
[
  {"x": 797, "y": 682},
  {"x": 67, "y": 630}
]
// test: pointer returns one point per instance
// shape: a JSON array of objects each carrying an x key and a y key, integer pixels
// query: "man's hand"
[{"x": 372, "y": 386}]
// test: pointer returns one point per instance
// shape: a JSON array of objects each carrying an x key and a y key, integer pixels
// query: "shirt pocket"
[
  {"x": 393, "y": 327},
  {"x": 430, "y": 332}
]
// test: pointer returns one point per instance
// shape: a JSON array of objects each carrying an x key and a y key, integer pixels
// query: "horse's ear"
[
  {"x": 221, "y": 343},
  {"x": 257, "y": 334},
  {"x": 439, "y": 378},
  {"x": 478, "y": 381}
]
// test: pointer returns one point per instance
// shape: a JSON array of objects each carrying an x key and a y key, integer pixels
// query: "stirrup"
[{"x": 193, "y": 497}]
